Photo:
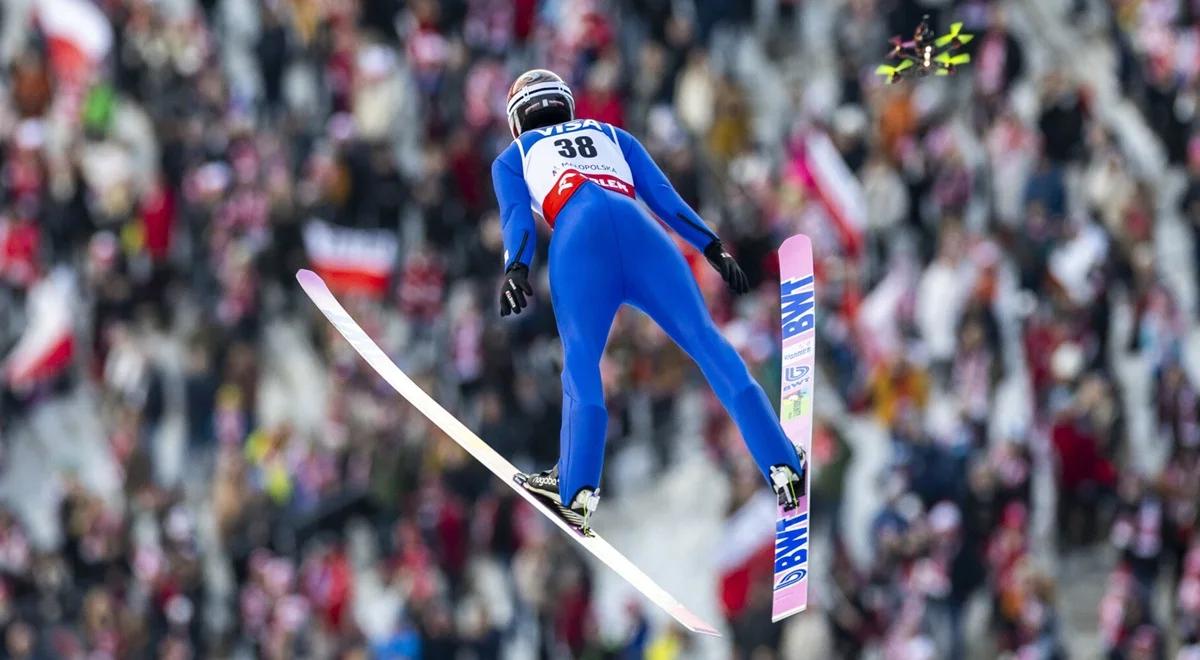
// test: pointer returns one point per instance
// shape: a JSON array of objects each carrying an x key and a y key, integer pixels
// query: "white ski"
[{"x": 598, "y": 547}]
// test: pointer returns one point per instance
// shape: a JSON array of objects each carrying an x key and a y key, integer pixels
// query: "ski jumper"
[{"x": 584, "y": 178}]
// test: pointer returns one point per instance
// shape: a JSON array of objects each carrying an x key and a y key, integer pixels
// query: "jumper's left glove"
[
  {"x": 514, "y": 288},
  {"x": 724, "y": 264}
]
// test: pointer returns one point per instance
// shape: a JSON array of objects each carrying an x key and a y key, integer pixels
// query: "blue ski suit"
[{"x": 585, "y": 177}]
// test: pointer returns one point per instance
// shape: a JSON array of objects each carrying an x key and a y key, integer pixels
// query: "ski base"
[
  {"x": 791, "y": 562},
  {"x": 316, "y": 290},
  {"x": 797, "y": 312}
]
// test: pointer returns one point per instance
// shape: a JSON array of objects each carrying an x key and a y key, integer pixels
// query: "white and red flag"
[
  {"x": 352, "y": 261},
  {"x": 748, "y": 552},
  {"x": 78, "y": 34},
  {"x": 47, "y": 345},
  {"x": 825, "y": 173}
]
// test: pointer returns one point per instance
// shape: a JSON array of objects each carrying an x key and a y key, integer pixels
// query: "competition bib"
[{"x": 559, "y": 159}]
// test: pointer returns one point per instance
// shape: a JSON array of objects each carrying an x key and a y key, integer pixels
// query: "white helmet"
[{"x": 538, "y": 98}]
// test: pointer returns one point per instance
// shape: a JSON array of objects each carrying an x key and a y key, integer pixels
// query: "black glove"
[
  {"x": 730, "y": 271},
  {"x": 514, "y": 288}
]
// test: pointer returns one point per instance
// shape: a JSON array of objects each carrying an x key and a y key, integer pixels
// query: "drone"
[{"x": 921, "y": 56}]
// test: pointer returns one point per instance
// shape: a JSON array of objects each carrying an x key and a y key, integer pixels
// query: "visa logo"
[
  {"x": 797, "y": 303},
  {"x": 791, "y": 543},
  {"x": 568, "y": 126}
]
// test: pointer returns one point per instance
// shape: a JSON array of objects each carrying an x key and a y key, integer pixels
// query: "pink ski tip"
[
  {"x": 315, "y": 287},
  {"x": 796, "y": 241}
]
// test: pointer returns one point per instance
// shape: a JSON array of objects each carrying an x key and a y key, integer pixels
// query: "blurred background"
[{"x": 192, "y": 464}]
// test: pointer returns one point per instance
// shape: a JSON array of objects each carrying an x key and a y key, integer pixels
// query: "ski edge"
[
  {"x": 317, "y": 291},
  {"x": 776, "y": 618}
]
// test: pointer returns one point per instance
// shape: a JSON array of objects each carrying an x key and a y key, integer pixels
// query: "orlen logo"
[
  {"x": 796, "y": 297},
  {"x": 791, "y": 550},
  {"x": 612, "y": 183},
  {"x": 565, "y": 182}
]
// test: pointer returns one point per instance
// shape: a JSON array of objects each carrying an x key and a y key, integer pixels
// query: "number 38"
[{"x": 582, "y": 146}]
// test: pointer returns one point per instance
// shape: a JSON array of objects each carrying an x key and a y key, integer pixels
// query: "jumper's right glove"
[
  {"x": 514, "y": 288},
  {"x": 729, "y": 269}
]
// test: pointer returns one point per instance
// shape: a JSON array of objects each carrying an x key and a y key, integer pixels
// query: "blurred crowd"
[
  {"x": 991, "y": 278},
  {"x": 1034, "y": 296}
]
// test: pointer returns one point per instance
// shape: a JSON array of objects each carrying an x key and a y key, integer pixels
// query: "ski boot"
[
  {"x": 789, "y": 486},
  {"x": 578, "y": 514}
]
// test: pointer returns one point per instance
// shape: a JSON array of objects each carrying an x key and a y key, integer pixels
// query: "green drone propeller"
[
  {"x": 946, "y": 59},
  {"x": 953, "y": 35},
  {"x": 892, "y": 71}
]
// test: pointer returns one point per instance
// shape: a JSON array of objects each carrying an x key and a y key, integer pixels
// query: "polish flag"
[
  {"x": 824, "y": 172},
  {"x": 749, "y": 553},
  {"x": 47, "y": 346},
  {"x": 78, "y": 36},
  {"x": 352, "y": 261}
]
